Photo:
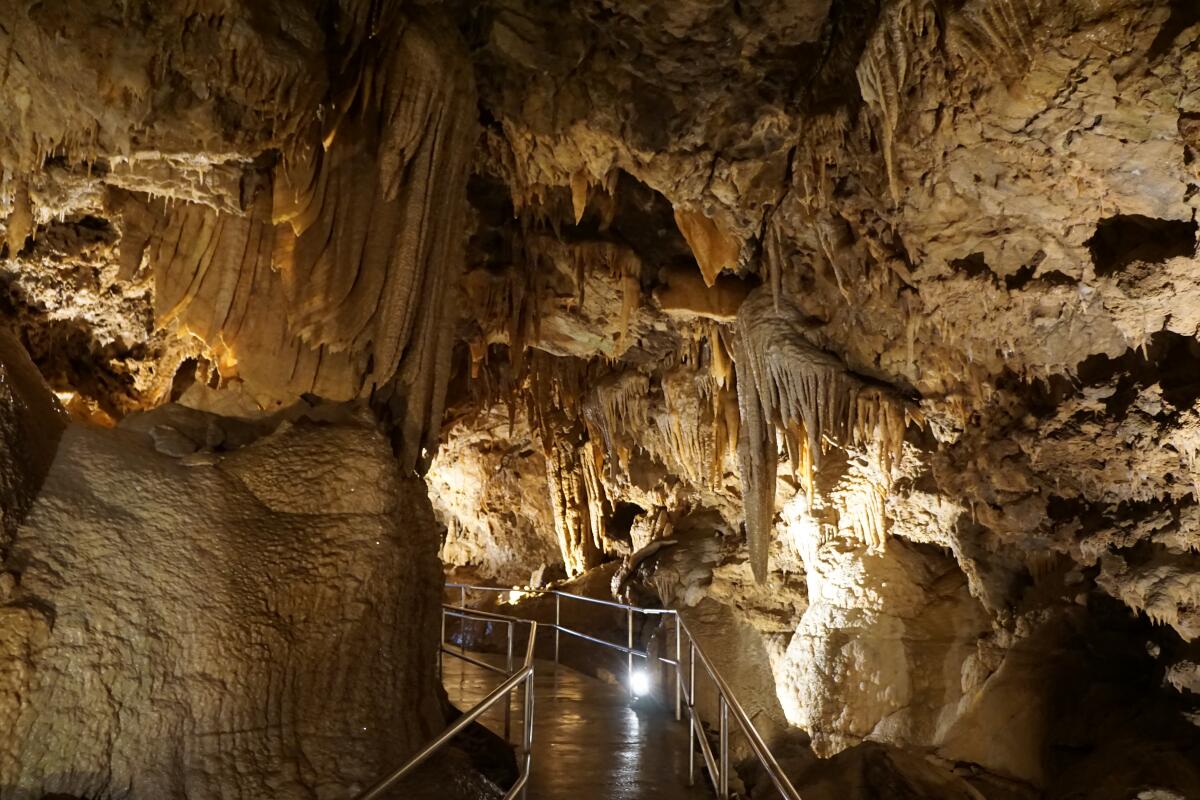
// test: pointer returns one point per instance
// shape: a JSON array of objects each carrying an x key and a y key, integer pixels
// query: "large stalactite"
[{"x": 793, "y": 392}]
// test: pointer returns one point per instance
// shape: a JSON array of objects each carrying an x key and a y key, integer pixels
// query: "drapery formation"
[
  {"x": 790, "y": 390},
  {"x": 335, "y": 280}
]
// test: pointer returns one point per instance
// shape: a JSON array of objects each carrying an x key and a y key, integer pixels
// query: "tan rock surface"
[{"x": 219, "y": 630}]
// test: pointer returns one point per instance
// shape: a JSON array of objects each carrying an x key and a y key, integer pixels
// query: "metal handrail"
[
  {"x": 717, "y": 764},
  {"x": 515, "y": 679}
]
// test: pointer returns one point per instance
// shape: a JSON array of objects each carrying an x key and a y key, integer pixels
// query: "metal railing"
[
  {"x": 717, "y": 764},
  {"x": 504, "y": 690}
]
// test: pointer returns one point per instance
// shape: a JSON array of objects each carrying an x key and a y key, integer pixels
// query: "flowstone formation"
[{"x": 255, "y": 620}]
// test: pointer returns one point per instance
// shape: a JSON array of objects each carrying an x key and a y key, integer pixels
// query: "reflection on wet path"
[{"x": 587, "y": 741}]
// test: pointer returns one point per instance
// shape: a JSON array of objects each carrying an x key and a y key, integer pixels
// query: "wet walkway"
[{"x": 588, "y": 743}]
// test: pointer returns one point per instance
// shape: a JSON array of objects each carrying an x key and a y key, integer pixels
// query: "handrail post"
[
  {"x": 462, "y": 626},
  {"x": 678, "y": 670},
  {"x": 557, "y": 622},
  {"x": 508, "y": 699},
  {"x": 527, "y": 744},
  {"x": 629, "y": 655},
  {"x": 723, "y": 793},
  {"x": 691, "y": 712},
  {"x": 441, "y": 643}
]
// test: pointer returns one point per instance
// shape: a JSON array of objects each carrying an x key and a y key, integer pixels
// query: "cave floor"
[{"x": 587, "y": 740}]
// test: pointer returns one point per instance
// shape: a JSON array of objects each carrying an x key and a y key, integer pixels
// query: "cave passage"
[{"x": 842, "y": 353}]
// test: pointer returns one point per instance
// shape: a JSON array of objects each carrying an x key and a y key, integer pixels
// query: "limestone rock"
[
  {"x": 31, "y": 421},
  {"x": 174, "y": 625}
]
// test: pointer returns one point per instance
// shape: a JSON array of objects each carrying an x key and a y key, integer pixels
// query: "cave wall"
[
  {"x": 913, "y": 349},
  {"x": 872, "y": 322},
  {"x": 31, "y": 421},
  {"x": 256, "y": 209},
  {"x": 254, "y": 620}
]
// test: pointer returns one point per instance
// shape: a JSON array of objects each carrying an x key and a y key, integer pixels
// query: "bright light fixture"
[{"x": 639, "y": 682}]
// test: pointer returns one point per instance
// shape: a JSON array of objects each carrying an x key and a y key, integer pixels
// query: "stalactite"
[
  {"x": 787, "y": 385},
  {"x": 758, "y": 459},
  {"x": 591, "y": 462},
  {"x": 579, "y": 194},
  {"x": 687, "y": 427},
  {"x": 616, "y": 410},
  {"x": 1000, "y": 36},
  {"x": 336, "y": 279},
  {"x": 714, "y": 249},
  {"x": 566, "y": 477},
  {"x": 862, "y": 512},
  {"x": 906, "y": 33},
  {"x": 556, "y": 390}
]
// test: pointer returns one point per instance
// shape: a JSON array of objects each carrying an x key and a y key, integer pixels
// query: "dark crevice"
[
  {"x": 1184, "y": 14},
  {"x": 1123, "y": 239},
  {"x": 1168, "y": 359},
  {"x": 619, "y": 526},
  {"x": 973, "y": 266},
  {"x": 185, "y": 378}
]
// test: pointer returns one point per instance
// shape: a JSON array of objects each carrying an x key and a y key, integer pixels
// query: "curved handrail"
[
  {"x": 717, "y": 765},
  {"x": 523, "y": 675}
]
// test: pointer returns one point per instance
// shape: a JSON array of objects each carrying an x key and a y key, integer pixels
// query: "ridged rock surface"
[{"x": 258, "y": 623}]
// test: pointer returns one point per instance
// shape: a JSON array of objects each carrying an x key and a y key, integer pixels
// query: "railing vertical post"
[
  {"x": 462, "y": 628},
  {"x": 678, "y": 670},
  {"x": 557, "y": 622},
  {"x": 527, "y": 743},
  {"x": 629, "y": 655},
  {"x": 508, "y": 700},
  {"x": 691, "y": 712},
  {"x": 441, "y": 643},
  {"x": 723, "y": 792}
]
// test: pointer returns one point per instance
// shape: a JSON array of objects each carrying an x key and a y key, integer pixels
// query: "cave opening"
[{"x": 620, "y": 524}]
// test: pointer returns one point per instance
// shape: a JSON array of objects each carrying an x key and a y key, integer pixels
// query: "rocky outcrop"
[
  {"x": 254, "y": 620},
  {"x": 488, "y": 487},
  {"x": 31, "y": 421}
]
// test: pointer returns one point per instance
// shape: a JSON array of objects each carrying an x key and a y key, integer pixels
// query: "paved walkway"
[{"x": 588, "y": 743}]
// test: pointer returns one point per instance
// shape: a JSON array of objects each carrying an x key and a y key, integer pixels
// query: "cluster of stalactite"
[
  {"x": 591, "y": 417},
  {"x": 794, "y": 392},
  {"x": 318, "y": 258},
  {"x": 356, "y": 232},
  {"x": 553, "y": 395}
]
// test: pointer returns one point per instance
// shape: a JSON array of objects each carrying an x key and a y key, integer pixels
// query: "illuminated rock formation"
[
  {"x": 259, "y": 620},
  {"x": 866, "y": 332}
]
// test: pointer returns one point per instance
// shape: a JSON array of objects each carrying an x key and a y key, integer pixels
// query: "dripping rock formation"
[{"x": 865, "y": 334}]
